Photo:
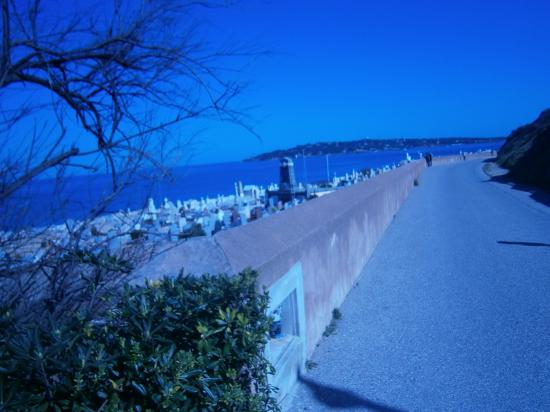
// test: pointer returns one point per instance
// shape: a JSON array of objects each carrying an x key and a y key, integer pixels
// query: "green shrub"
[{"x": 188, "y": 343}]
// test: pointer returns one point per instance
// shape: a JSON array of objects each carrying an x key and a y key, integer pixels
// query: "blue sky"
[
  {"x": 343, "y": 70},
  {"x": 352, "y": 69}
]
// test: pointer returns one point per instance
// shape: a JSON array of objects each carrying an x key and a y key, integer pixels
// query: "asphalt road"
[{"x": 452, "y": 312}]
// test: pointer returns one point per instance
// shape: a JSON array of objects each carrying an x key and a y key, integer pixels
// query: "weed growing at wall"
[
  {"x": 331, "y": 328},
  {"x": 310, "y": 365},
  {"x": 188, "y": 343}
]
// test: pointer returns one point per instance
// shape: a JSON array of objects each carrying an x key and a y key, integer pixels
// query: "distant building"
[{"x": 288, "y": 189}]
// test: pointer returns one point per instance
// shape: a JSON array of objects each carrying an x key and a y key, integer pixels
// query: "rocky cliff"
[{"x": 526, "y": 153}]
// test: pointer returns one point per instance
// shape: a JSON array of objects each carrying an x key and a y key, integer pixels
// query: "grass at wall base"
[{"x": 186, "y": 343}]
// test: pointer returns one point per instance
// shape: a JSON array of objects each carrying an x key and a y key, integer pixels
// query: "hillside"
[
  {"x": 526, "y": 153},
  {"x": 365, "y": 145}
]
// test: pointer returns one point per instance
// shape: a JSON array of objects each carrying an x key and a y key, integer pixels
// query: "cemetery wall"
[{"x": 331, "y": 237}]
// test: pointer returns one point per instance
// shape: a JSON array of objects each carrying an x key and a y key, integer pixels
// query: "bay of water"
[{"x": 38, "y": 204}]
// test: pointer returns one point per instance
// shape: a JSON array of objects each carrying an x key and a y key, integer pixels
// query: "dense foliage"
[
  {"x": 187, "y": 343},
  {"x": 526, "y": 153}
]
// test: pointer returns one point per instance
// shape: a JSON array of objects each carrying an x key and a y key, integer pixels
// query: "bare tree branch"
[
  {"x": 7, "y": 191},
  {"x": 99, "y": 90}
]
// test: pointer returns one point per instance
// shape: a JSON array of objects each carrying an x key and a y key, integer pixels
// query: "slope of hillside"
[
  {"x": 526, "y": 153},
  {"x": 367, "y": 145}
]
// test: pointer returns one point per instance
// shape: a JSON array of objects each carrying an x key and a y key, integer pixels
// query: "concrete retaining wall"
[{"x": 331, "y": 237}]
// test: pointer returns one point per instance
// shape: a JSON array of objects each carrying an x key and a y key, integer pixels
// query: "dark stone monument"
[
  {"x": 288, "y": 188},
  {"x": 287, "y": 178}
]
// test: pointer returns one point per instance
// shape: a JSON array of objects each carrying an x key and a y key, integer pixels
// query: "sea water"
[{"x": 43, "y": 202}]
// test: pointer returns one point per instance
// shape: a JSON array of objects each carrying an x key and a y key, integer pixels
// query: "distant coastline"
[
  {"x": 198, "y": 182},
  {"x": 369, "y": 145}
]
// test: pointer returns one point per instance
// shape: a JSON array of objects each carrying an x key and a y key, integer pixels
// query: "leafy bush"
[{"x": 187, "y": 343}]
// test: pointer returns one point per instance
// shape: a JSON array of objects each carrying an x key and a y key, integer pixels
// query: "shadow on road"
[
  {"x": 536, "y": 194},
  {"x": 341, "y": 399},
  {"x": 505, "y": 242}
]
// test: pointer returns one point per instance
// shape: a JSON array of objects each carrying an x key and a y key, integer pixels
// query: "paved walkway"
[{"x": 452, "y": 312}]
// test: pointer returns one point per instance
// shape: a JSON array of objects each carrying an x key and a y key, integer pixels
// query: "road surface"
[{"x": 452, "y": 312}]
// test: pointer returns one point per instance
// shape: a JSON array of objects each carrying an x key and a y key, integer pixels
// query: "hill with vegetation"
[
  {"x": 367, "y": 145},
  {"x": 526, "y": 153}
]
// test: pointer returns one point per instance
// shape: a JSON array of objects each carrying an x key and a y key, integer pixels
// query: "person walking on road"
[{"x": 429, "y": 159}]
